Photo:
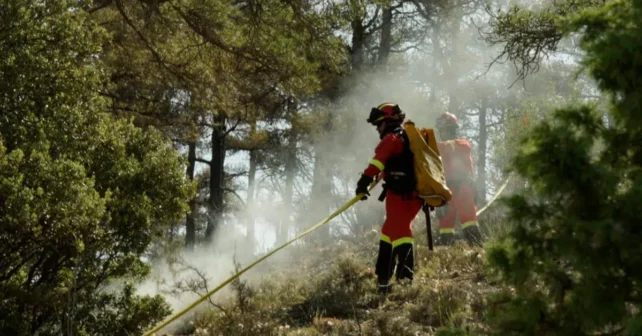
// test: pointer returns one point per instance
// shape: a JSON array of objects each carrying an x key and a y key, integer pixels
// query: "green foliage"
[
  {"x": 191, "y": 68},
  {"x": 81, "y": 195},
  {"x": 187, "y": 49},
  {"x": 529, "y": 36},
  {"x": 129, "y": 314},
  {"x": 573, "y": 257}
]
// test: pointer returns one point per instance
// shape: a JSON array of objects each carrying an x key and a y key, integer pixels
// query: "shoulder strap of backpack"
[{"x": 406, "y": 141}]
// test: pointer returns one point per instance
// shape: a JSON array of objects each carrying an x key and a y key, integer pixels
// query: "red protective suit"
[
  {"x": 458, "y": 168},
  {"x": 399, "y": 211},
  {"x": 396, "y": 234}
]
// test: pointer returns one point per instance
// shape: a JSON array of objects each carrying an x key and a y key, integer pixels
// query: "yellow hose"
[
  {"x": 499, "y": 191},
  {"x": 301, "y": 235},
  {"x": 230, "y": 279}
]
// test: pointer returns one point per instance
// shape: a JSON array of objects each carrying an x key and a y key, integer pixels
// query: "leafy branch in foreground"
[
  {"x": 574, "y": 256},
  {"x": 81, "y": 195}
]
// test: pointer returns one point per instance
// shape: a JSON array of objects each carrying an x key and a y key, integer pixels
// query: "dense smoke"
[{"x": 423, "y": 81}]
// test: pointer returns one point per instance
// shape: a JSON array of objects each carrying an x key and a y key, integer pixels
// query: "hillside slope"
[{"x": 333, "y": 292}]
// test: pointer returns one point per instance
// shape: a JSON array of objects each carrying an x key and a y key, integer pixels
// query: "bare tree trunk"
[
  {"x": 190, "y": 224},
  {"x": 290, "y": 172},
  {"x": 358, "y": 38},
  {"x": 386, "y": 37},
  {"x": 437, "y": 57},
  {"x": 321, "y": 191},
  {"x": 357, "y": 50},
  {"x": 453, "y": 68},
  {"x": 217, "y": 172}
]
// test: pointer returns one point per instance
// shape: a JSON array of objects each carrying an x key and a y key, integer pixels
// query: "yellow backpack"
[{"x": 429, "y": 170}]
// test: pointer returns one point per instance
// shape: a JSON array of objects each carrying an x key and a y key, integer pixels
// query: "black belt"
[{"x": 382, "y": 196}]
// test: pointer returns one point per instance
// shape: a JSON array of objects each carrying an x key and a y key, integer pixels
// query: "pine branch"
[{"x": 203, "y": 161}]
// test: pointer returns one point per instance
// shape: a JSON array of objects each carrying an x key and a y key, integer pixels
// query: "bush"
[
  {"x": 81, "y": 195},
  {"x": 572, "y": 261}
]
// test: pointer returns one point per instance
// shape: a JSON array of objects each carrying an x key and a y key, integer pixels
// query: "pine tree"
[{"x": 574, "y": 256}]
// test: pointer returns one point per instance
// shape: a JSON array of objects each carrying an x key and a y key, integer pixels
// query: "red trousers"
[
  {"x": 396, "y": 244},
  {"x": 400, "y": 213},
  {"x": 462, "y": 204}
]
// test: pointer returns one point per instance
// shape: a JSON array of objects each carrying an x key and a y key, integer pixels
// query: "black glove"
[{"x": 362, "y": 186}]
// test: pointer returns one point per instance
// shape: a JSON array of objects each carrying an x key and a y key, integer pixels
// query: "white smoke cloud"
[{"x": 411, "y": 87}]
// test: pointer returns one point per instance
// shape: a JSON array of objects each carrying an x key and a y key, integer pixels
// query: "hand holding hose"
[{"x": 362, "y": 186}]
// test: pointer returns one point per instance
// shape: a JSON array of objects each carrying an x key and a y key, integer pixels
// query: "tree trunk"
[
  {"x": 357, "y": 55},
  {"x": 437, "y": 56},
  {"x": 251, "y": 186},
  {"x": 321, "y": 191},
  {"x": 217, "y": 171},
  {"x": 481, "y": 153},
  {"x": 358, "y": 37},
  {"x": 453, "y": 67},
  {"x": 386, "y": 37},
  {"x": 190, "y": 222},
  {"x": 290, "y": 173}
]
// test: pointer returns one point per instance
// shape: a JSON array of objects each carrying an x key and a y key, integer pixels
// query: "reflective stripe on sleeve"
[{"x": 377, "y": 164}]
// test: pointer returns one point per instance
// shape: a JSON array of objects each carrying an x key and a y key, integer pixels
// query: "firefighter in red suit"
[
  {"x": 394, "y": 158},
  {"x": 458, "y": 168}
]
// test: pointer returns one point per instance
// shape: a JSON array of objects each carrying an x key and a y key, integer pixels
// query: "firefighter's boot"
[
  {"x": 473, "y": 236},
  {"x": 446, "y": 239},
  {"x": 384, "y": 288}
]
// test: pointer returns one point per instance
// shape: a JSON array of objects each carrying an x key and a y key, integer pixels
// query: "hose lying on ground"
[
  {"x": 301, "y": 235},
  {"x": 230, "y": 279}
]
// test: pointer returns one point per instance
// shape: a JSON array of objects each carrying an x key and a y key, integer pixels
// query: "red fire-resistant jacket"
[{"x": 389, "y": 146}]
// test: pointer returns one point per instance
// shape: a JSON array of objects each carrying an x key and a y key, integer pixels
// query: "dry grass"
[{"x": 333, "y": 292}]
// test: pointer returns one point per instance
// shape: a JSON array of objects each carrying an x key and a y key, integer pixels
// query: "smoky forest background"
[{"x": 149, "y": 149}]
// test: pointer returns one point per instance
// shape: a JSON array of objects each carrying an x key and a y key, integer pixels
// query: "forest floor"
[{"x": 331, "y": 290}]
